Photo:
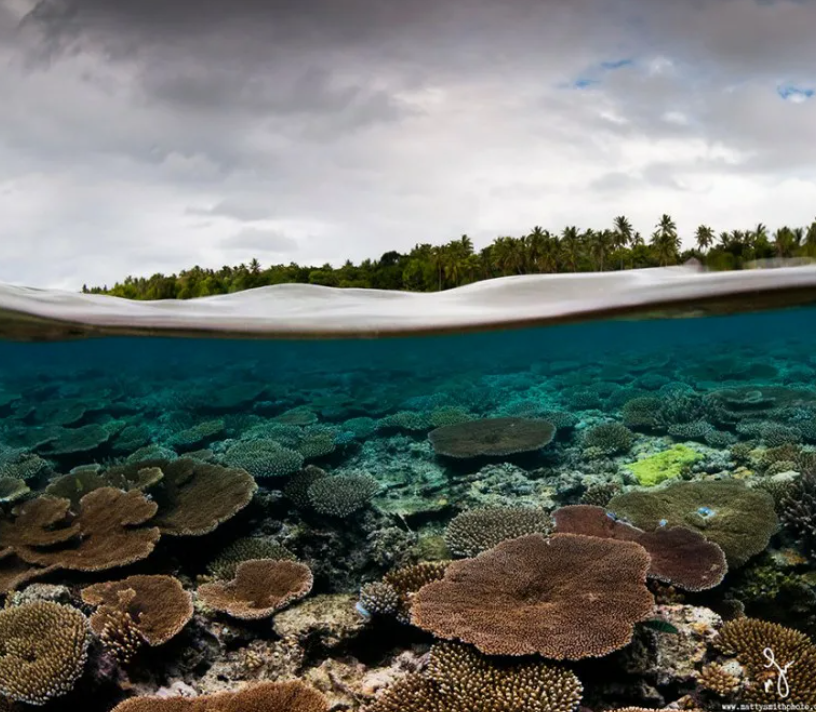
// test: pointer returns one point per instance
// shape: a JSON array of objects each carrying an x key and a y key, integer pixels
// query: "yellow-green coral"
[{"x": 663, "y": 466}]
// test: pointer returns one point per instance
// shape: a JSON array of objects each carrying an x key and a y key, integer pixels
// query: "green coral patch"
[{"x": 662, "y": 466}]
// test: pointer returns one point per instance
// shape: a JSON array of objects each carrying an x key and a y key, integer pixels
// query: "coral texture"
[
  {"x": 260, "y": 587},
  {"x": 566, "y": 597},
  {"x": 43, "y": 648},
  {"x": 473, "y": 531},
  {"x": 491, "y": 437}
]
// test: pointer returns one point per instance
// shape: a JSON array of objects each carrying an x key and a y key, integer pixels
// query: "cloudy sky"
[{"x": 147, "y": 135}]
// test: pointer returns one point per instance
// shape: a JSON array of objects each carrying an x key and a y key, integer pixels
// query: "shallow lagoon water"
[{"x": 732, "y": 396}]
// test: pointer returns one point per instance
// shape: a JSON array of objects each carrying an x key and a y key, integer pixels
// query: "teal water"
[{"x": 360, "y": 458}]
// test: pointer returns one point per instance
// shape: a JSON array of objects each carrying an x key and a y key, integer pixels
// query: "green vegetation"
[
  {"x": 663, "y": 466},
  {"x": 428, "y": 268}
]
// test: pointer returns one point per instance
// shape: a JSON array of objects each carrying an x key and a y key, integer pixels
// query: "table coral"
[
  {"x": 566, "y": 597},
  {"x": 491, "y": 437}
]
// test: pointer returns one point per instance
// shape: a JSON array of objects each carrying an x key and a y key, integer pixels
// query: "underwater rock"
[
  {"x": 327, "y": 620},
  {"x": 39, "y": 592}
]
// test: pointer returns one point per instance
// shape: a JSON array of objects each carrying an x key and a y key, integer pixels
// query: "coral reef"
[
  {"x": 739, "y": 519},
  {"x": 460, "y": 680},
  {"x": 260, "y": 587},
  {"x": 566, "y": 597},
  {"x": 43, "y": 649},
  {"x": 491, "y": 437},
  {"x": 476, "y": 530}
]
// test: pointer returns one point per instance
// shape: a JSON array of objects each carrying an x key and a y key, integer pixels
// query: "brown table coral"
[
  {"x": 566, "y": 597},
  {"x": 264, "y": 697},
  {"x": 680, "y": 556},
  {"x": 491, "y": 437},
  {"x": 138, "y": 609},
  {"x": 106, "y": 531},
  {"x": 739, "y": 519},
  {"x": 260, "y": 587}
]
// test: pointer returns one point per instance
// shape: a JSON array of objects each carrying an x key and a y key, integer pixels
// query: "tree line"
[{"x": 428, "y": 268}]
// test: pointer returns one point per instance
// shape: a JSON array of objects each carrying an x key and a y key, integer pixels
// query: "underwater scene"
[{"x": 611, "y": 515}]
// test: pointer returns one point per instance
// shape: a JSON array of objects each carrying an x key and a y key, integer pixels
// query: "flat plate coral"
[{"x": 309, "y": 311}]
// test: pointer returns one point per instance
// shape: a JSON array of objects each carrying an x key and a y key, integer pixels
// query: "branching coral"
[
  {"x": 471, "y": 532},
  {"x": 458, "y": 679},
  {"x": 797, "y": 507},
  {"x": 609, "y": 438},
  {"x": 679, "y": 556},
  {"x": 260, "y": 587},
  {"x": 342, "y": 495},
  {"x": 297, "y": 489},
  {"x": 393, "y": 595},
  {"x": 740, "y": 520},
  {"x": 43, "y": 648},
  {"x": 292, "y": 696},
  {"x": 492, "y": 437},
  {"x": 263, "y": 458},
  {"x": 149, "y": 609},
  {"x": 566, "y": 597},
  {"x": 748, "y": 639}
]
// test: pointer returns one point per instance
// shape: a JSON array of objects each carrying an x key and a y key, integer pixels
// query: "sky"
[{"x": 139, "y": 136}]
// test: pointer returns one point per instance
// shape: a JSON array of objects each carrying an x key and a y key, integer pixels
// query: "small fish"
[
  {"x": 362, "y": 611},
  {"x": 661, "y": 626},
  {"x": 705, "y": 512},
  {"x": 612, "y": 516},
  {"x": 663, "y": 522}
]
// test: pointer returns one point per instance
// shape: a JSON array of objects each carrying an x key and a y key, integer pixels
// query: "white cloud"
[{"x": 142, "y": 150}]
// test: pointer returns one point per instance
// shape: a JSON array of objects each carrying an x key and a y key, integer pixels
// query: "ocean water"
[{"x": 334, "y": 465}]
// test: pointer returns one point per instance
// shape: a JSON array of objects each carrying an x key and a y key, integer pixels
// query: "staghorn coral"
[
  {"x": 253, "y": 547},
  {"x": 260, "y": 587},
  {"x": 748, "y": 639},
  {"x": 393, "y": 595},
  {"x": 197, "y": 435},
  {"x": 263, "y": 458},
  {"x": 195, "y": 497},
  {"x": 149, "y": 609},
  {"x": 409, "y": 420},
  {"x": 43, "y": 648},
  {"x": 609, "y": 438},
  {"x": 476, "y": 530},
  {"x": 739, "y": 519},
  {"x": 566, "y": 597},
  {"x": 342, "y": 495},
  {"x": 643, "y": 412},
  {"x": 449, "y": 415},
  {"x": 679, "y": 556},
  {"x": 458, "y": 679},
  {"x": 316, "y": 444},
  {"x": 291, "y": 696},
  {"x": 491, "y": 437},
  {"x": 105, "y": 533}
]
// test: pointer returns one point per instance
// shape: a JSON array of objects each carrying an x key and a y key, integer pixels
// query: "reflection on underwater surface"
[{"x": 630, "y": 508}]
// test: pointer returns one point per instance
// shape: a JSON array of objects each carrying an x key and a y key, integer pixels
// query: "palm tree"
[
  {"x": 438, "y": 257},
  {"x": 571, "y": 244},
  {"x": 508, "y": 255},
  {"x": 704, "y": 237},
  {"x": 666, "y": 241},
  {"x": 535, "y": 244},
  {"x": 600, "y": 244},
  {"x": 784, "y": 242}
]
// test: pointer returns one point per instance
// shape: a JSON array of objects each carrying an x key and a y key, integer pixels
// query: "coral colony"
[{"x": 458, "y": 524}]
